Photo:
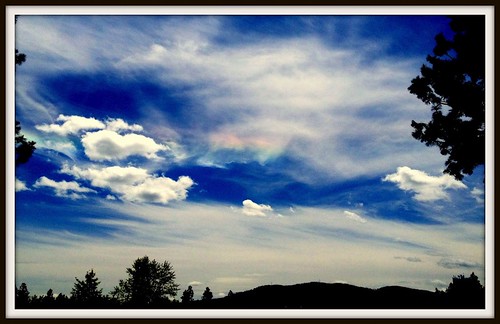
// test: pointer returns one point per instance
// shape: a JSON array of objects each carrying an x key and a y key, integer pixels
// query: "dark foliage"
[
  {"x": 24, "y": 148},
  {"x": 187, "y": 295},
  {"x": 466, "y": 292},
  {"x": 86, "y": 293},
  {"x": 149, "y": 285},
  {"x": 22, "y": 296},
  {"x": 453, "y": 85},
  {"x": 207, "y": 295},
  {"x": 20, "y": 58}
]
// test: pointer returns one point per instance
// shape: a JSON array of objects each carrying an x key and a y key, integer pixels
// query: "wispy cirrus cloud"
[
  {"x": 291, "y": 91},
  {"x": 199, "y": 232},
  {"x": 283, "y": 95}
]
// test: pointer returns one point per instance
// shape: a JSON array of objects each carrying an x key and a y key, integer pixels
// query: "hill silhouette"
[
  {"x": 151, "y": 285},
  {"x": 317, "y": 295}
]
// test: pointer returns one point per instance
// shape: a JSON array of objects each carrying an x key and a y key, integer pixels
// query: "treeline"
[{"x": 151, "y": 284}]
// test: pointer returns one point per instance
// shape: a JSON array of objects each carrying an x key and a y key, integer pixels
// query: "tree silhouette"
[
  {"x": 466, "y": 292},
  {"x": 62, "y": 301},
  {"x": 24, "y": 148},
  {"x": 187, "y": 295},
  {"x": 48, "y": 300},
  {"x": 207, "y": 294},
  {"x": 86, "y": 292},
  {"x": 22, "y": 296},
  {"x": 453, "y": 85},
  {"x": 149, "y": 283},
  {"x": 20, "y": 57}
]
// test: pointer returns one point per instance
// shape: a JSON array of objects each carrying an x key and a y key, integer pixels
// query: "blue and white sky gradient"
[{"x": 245, "y": 150}]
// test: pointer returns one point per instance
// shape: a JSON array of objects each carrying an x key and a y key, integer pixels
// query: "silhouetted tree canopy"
[
  {"x": 24, "y": 148},
  {"x": 48, "y": 300},
  {"x": 20, "y": 57},
  {"x": 22, "y": 296},
  {"x": 453, "y": 85},
  {"x": 87, "y": 291},
  {"x": 187, "y": 295},
  {"x": 462, "y": 293},
  {"x": 207, "y": 294},
  {"x": 466, "y": 292},
  {"x": 149, "y": 283}
]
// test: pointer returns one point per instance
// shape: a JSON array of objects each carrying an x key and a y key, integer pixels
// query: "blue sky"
[{"x": 245, "y": 150}]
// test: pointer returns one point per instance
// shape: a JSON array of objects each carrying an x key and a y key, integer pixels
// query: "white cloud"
[
  {"x": 67, "y": 189},
  {"x": 195, "y": 283},
  {"x": 478, "y": 195},
  {"x": 106, "y": 145},
  {"x": 134, "y": 184},
  {"x": 115, "y": 176},
  {"x": 71, "y": 125},
  {"x": 252, "y": 209},
  {"x": 21, "y": 186},
  {"x": 354, "y": 217},
  {"x": 426, "y": 187},
  {"x": 159, "y": 190},
  {"x": 118, "y": 124}
]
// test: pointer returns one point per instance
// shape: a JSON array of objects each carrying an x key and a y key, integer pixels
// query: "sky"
[{"x": 244, "y": 150}]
